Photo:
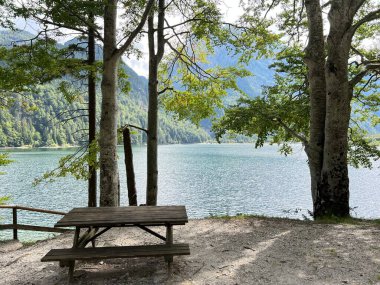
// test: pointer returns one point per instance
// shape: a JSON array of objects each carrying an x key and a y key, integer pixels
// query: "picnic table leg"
[
  {"x": 72, "y": 262},
  {"x": 169, "y": 241}
]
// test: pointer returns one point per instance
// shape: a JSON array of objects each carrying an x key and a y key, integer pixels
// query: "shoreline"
[
  {"x": 241, "y": 217},
  {"x": 29, "y": 147},
  {"x": 247, "y": 250}
]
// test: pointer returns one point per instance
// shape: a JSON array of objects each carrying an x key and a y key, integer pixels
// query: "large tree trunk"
[
  {"x": 109, "y": 174},
  {"x": 92, "y": 180},
  {"x": 154, "y": 60},
  {"x": 333, "y": 196},
  {"x": 330, "y": 101}
]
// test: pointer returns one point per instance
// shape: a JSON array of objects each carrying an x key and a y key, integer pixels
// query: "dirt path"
[{"x": 233, "y": 251}]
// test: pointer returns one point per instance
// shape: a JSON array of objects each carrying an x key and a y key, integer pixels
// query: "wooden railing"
[{"x": 16, "y": 226}]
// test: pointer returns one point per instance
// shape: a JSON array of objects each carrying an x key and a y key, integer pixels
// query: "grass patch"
[
  {"x": 325, "y": 220},
  {"x": 345, "y": 220},
  {"x": 29, "y": 243},
  {"x": 238, "y": 216}
]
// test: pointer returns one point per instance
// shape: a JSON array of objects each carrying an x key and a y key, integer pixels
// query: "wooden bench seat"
[{"x": 72, "y": 254}]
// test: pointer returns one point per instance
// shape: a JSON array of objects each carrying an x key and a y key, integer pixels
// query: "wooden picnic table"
[{"x": 97, "y": 221}]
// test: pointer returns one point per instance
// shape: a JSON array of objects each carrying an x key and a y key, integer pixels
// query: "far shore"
[{"x": 68, "y": 146}]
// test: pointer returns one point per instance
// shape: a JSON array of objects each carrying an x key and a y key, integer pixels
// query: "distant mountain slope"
[
  {"x": 49, "y": 123},
  {"x": 262, "y": 75}
]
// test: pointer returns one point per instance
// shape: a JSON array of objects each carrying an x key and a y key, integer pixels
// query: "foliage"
[
  {"x": 4, "y": 200},
  {"x": 4, "y": 160},
  {"x": 192, "y": 87},
  {"x": 199, "y": 96},
  {"x": 76, "y": 164},
  {"x": 52, "y": 113},
  {"x": 281, "y": 114}
]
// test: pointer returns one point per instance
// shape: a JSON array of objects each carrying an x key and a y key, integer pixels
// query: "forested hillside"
[{"x": 49, "y": 120}]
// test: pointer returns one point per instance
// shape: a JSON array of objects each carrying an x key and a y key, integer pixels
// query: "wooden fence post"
[{"x": 15, "y": 223}]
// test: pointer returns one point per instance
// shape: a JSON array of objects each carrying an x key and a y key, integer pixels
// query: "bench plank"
[{"x": 116, "y": 252}]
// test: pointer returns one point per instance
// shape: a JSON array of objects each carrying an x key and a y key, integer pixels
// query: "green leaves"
[
  {"x": 274, "y": 118},
  {"x": 26, "y": 66},
  {"x": 362, "y": 149},
  {"x": 4, "y": 160},
  {"x": 4, "y": 199},
  {"x": 281, "y": 114},
  {"x": 76, "y": 165},
  {"x": 200, "y": 94}
]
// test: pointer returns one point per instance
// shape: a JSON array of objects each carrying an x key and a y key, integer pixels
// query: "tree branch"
[
  {"x": 164, "y": 90},
  {"x": 357, "y": 78},
  {"x": 160, "y": 30},
  {"x": 136, "y": 31},
  {"x": 374, "y": 15},
  {"x": 291, "y": 131},
  {"x": 135, "y": 127}
]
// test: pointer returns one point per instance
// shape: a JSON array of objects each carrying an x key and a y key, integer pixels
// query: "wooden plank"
[
  {"x": 116, "y": 252},
  {"x": 117, "y": 223},
  {"x": 6, "y": 227},
  {"x": 119, "y": 216},
  {"x": 32, "y": 228},
  {"x": 32, "y": 209}
]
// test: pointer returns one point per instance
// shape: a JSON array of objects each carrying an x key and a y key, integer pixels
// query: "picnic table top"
[{"x": 124, "y": 216}]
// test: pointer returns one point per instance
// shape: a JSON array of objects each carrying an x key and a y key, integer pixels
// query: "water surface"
[{"x": 209, "y": 179}]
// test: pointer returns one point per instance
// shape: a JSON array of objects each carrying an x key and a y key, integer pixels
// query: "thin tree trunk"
[
  {"x": 152, "y": 168},
  {"x": 109, "y": 173},
  {"x": 154, "y": 60},
  {"x": 91, "y": 112},
  {"x": 128, "y": 160}
]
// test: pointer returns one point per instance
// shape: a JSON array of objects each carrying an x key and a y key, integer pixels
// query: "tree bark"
[
  {"x": 92, "y": 180},
  {"x": 315, "y": 61},
  {"x": 330, "y": 103},
  {"x": 109, "y": 174},
  {"x": 128, "y": 160},
  {"x": 154, "y": 60},
  {"x": 152, "y": 168},
  {"x": 333, "y": 196}
]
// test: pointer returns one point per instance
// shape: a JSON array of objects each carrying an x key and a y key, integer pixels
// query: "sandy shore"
[{"x": 223, "y": 251}]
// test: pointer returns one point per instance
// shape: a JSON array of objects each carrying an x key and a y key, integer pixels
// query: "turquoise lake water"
[{"x": 209, "y": 179}]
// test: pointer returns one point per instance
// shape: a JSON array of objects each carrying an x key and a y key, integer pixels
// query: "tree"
[
  {"x": 109, "y": 176},
  {"x": 155, "y": 58},
  {"x": 331, "y": 93},
  {"x": 334, "y": 80},
  {"x": 91, "y": 85},
  {"x": 74, "y": 15},
  {"x": 183, "y": 71},
  {"x": 80, "y": 18}
]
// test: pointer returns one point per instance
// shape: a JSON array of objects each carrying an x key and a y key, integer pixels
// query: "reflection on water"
[{"x": 208, "y": 179}]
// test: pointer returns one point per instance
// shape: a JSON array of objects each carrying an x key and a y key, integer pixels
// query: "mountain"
[
  {"x": 54, "y": 121},
  {"x": 262, "y": 75}
]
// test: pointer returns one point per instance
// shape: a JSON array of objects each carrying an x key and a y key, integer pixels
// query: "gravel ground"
[{"x": 223, "y": 251}]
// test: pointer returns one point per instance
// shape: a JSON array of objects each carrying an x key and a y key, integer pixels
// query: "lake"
[{"x": 210, "y": 179}]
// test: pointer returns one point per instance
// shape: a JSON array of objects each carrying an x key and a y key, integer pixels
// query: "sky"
[{"x": 230, "y": 10}]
